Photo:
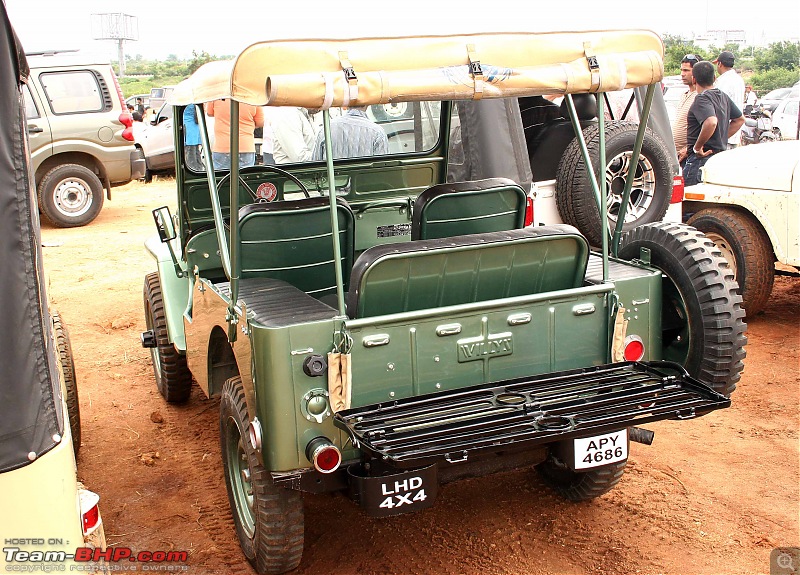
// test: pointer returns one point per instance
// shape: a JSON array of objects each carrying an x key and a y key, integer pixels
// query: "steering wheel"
[{"x": 259, "y": 169}]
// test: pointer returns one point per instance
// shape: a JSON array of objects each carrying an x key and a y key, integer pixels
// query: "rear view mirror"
[{"x": 164, "y": 224}]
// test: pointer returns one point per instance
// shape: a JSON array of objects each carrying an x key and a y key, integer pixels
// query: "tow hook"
[{"x": 148, "y": 339}]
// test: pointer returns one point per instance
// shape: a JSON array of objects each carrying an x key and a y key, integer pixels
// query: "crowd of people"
[
  {"x": 289, "y": 135},
  {"x": 709, "y": 117}
]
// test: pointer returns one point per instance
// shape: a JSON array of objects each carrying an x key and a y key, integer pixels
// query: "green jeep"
[{"x": 375, "y": 326}]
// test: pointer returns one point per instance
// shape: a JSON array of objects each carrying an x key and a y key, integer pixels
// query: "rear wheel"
[
  {"x": 746, "y": 247},
  {"x": 70, "y": 381},
  {"x": 702, "y": 320},
  {"x": 70, "y": 195},
  {"x": 173, "y": 378},
  {"x": 580, "y": 485},
  {"x": 269, "y": 520}
]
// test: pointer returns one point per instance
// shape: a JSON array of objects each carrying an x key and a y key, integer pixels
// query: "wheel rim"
[
  {"x": 642, "y": 191},
  {"x": 726, "y": 249},
  {"x": 240, "y": 478},
  {"x": 73, "y": 197},
  {"x": 674, "y": 324}
]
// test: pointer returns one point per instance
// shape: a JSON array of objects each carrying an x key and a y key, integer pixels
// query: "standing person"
[
  {"x": 250, "y": 118},
  {"x": 191, "y": 131},
  {"x": 712, "y": 119},
  {"x": 750, "y": 98},
  {"x": 293, "y": 135},
  {"x": 353, "y": 135},
  {"x": 140, "y": 106},
  {"x": 732, "y": 84},
  {"x": 679, "y": 125}
]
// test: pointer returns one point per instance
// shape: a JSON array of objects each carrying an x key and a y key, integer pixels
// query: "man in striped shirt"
[
  {"x": 680, "y": 124},
  {"x": 353, "y": 135}
]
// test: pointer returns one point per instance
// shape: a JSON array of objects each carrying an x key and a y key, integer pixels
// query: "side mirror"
[{"x": 164, "y": 224}]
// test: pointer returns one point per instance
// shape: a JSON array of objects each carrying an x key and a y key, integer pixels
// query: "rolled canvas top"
[{"x": 366, "y": 71}]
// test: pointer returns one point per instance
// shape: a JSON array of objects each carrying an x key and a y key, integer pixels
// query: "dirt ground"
[{"x": 711, "y": 495}]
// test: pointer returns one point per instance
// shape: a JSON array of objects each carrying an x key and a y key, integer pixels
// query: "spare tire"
[
  {"x": 702, "y": 319},
  {"x": 652, "y": 187}
]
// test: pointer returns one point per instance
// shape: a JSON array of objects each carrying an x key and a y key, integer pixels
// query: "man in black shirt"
[{"x": 712, "y": 119}]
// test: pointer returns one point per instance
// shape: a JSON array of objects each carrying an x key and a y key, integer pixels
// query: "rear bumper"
[
  {"x": 138, "y": 165},
  {"x": 454, "y": 426}
]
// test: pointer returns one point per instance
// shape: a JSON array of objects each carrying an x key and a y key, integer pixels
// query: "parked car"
[
  {"x": 784, "y": 118},
  {"x": 80, "y": 135},
  {"x": 46, "y": 513},
  {"x": 379, "y": 324},
  {"x": 771, "y": 99},
  {"x": 748, "y": 204}
]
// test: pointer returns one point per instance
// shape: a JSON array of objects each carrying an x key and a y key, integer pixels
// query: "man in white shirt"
[
  {"x": 680, "y": 123},
  {"x": 731, "y": 84},
  {"x": 293, "y": 135}
]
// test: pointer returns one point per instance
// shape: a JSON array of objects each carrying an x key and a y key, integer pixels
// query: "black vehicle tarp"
[{"x": 29, "y": 381}]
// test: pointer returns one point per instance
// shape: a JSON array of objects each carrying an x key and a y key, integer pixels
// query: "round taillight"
[
  {"x": 324, "y": 455},
  {"x": 634, "y": 348}
]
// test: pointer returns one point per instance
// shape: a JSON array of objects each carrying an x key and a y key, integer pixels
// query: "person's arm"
[
  {"x": 706, "y": 131},
  {"x": 210, "y": 109},
  {"x": 736, "y": 123},
  {"x": 259, "y": 117}
]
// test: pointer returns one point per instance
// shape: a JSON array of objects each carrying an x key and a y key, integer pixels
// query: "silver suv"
[{"x": 80, "y": 134}]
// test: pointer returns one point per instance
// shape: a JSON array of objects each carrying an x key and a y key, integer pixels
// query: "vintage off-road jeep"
[{"x": 376, "y": 329}]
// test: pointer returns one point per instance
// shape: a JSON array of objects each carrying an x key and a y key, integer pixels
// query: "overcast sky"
[{"x": 165, "y": 28}]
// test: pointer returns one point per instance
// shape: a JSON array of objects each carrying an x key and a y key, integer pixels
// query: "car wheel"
[
  {"x": 269, "y": 519},
  {"x": 702, "y": 319},
  {"x": 746, "y": 247},
  {"x": 652, "y": 186},
  {"x": 580, "y": 485},
  {"x": 70, "y": 382},
  {"x": 173, "y": 378},
  {"x": 70, "y": 195},
  {"x": 767, "y": 137}
]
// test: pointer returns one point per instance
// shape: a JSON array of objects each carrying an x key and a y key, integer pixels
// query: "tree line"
[{"x": 767, "y": 68}]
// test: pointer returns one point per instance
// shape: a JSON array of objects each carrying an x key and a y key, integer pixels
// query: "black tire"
[
  {"x": 702, "y": 319},
  {"x": 651, "y": 191},
  {"x": 746, "y": 247},
  {"x": 580, "y": 485},
  {"x": 767, "y": 137},
  {"x": 269, "y": 520},
  {"x": 70, "y": 380},
  {"x": 173, "y": 378},
  {"x": 70, "y": 195}
]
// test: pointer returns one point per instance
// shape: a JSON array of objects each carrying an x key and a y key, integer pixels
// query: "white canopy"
[{"x": 365, "y": 71}]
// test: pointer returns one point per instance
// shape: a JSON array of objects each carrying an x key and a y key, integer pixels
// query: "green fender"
[{"x": 175, "y": 291}]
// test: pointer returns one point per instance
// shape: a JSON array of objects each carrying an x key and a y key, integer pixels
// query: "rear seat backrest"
[
  {"x": 291, "y": 241},
  {"x": 460, "y": 208},
  {"x": 422, "y": 274}
]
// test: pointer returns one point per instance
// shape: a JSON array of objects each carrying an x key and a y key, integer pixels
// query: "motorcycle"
[{"x": 757, "y": 126}]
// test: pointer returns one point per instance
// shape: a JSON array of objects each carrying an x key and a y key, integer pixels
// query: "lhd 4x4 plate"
[{"x": 395, "y": 493}]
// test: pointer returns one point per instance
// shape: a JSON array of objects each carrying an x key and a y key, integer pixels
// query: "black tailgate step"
[{"x": 450, "y": 425}]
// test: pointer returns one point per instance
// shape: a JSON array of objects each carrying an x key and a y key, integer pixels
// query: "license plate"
[{"x": 601, "y": 449}]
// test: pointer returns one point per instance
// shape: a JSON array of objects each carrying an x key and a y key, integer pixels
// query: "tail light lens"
[
  {"x": 634, "y": 348},
  {"x": 529, "y": 212},
  {"x": 90, "y": 511},
  {"x": 324, "y": 455},
  {"x": 677, "y": 190}
]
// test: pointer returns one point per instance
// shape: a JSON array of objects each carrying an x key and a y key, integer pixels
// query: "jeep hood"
[{"x": 768, "y": 166}]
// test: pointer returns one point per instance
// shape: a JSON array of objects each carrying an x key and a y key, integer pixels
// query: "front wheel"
[
  {"x": 269, "y": 520},
  {"x": 746, "y": 247},
  {"x": 173, "y": 378},
  {"x": 767, "y": 137},
  {"x": 70, "y": 195},
  {"x": 702, "y": 320}
]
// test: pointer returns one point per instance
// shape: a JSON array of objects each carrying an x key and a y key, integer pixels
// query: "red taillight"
[
  {"x": 634, "y": 348},
  {"x": 324, "y": 455},
  {"x": 90, "y": 510},
  {"x": 529, "y": 212},
  {"x": 677, "y": 190},
  {"x": 125, "y": 117}
]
